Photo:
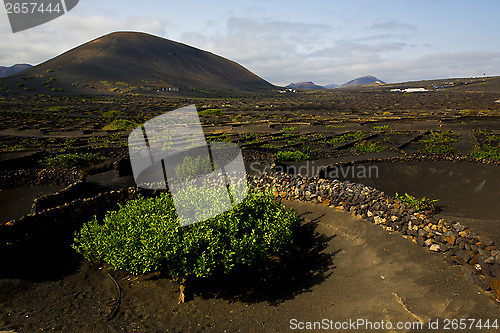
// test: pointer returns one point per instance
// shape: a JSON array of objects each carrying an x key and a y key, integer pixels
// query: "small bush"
[
  {"x": 348, "y": 137},
  {"x": 112, "y": 114},
  {"x": 192, "y": 167},
  {"x": 284, "y": 156},
  {"x": 68, "y": 161},
  {"x": 288, "y": 129},
  {"x": 382, "y": 127},
  {"x": 120, "y": 124},
  {"x": 447, "y": 136},
  {"x": 488, "y": 151},
  {"x": 418, "y": 204},
  {"x": 211, "y": 113},
  {"x": 437, "y": 148},
  {"x": 368, "y": 147},
  {"x": 144, "y": 235}
]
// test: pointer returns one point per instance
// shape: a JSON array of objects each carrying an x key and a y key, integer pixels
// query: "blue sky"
[{"x": 291, "y": 41}]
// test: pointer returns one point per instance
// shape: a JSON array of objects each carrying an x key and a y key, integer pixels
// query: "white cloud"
[
  {"x": 49, "y": 40},
  {"x": 392, "y": 25},
  {"x": 283, "y": 52}
]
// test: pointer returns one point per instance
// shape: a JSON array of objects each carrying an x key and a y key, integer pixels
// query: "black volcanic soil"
[{"x": 69, "y": 294}]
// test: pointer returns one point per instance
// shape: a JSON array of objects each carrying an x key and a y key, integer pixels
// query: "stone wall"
[{"x": 477, "y": 255}]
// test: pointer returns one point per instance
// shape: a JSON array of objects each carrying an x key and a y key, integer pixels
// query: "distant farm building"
[{"x": 410, "y": 90}]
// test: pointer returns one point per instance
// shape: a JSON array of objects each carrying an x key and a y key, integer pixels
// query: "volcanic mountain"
[
  {"x": 304, "y": 85},
  {"x": 360, "y": 81},
  {"x": 5, "y": 71},
  {"x": 128, "y": 61}
]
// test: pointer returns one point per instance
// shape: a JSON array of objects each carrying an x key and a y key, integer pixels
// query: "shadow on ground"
[{"x": 276, "y": 281}]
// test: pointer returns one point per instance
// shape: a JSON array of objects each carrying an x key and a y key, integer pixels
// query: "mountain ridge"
[
  {"x": 306, "y": 85},
  {"x": 142, "y": 60},
  {"x": 362, "y": 81},
  {"x": 6, "y": 71}
]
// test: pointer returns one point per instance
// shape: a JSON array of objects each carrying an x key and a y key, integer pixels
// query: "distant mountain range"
[
  {"x": 6, "y": 71},
  {"x": 139, "y": 62},
  {"x": 304, "y": 85},
  {"x": 133, "y": 60},
  {"x": 360, "y": 81}
]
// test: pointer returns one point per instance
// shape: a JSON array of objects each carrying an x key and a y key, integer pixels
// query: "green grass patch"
[
  {"x": 57, "y": 108},
  {"x": 438, "y": 148},
  {"x": 192, "y": 167},
  {"x": 112, "y": 114},
  {"x": 447, "y": 136},
  {"x": 487, "y": 151},
  {"x": 250, "y": 135},
  {"x": 120, "y": 124},
  {"x": 224, "y": 137},
  {"x": 296, "y": 156},
  {"x": 288, "y": 129},
  {"x": 348, "y": 137},
  {"x": 69, "y": 161},
  {"x": 439, "y": 142},
  {"x": 382, "y": 128},
  {"x": 368, "y": 147},
  {"x": 211, "y": 113},
  {"x": 269, "y": 146}
]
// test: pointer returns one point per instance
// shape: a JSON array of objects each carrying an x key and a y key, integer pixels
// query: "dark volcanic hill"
[
  {"x": 304, "y": 85},
  {"x": 361, "y": 81},
  {"x": 124, "y": 61},
  {"x": 6, "y": 71}
]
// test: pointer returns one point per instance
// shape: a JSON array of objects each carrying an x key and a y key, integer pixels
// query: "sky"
[{"x": 289, "y": 41}]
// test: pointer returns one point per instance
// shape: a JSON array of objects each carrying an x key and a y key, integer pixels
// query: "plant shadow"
[{"x": 275, "y": 281}]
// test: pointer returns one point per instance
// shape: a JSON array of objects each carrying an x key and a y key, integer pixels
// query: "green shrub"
[
  {"x": 269, "y": 146},
  {"x": 112, "y": 114},
  {"x": 250, "y": 135},
  {"x": 368, "y": 147},
  {"x": 68, "y": 161},
  {"x": 57, "y": 108},
  {"x": 144, "y": 235},
  {"x": 447, "y": 136},
  {"x": 284, "y": 156},
  {"x": 211, "y": 113},
  {"x": 487, "y": 151},
  {"x": 438, "y": 148},
  {"x": 382, "y": 127},
  {"x": 120, "y": 124},
  {"x": 288, "y": 129},
  {"x": 418, "y": 204},
  {"x": 224, "y": 137},
  {"x": 193, "y": 167},
  {"x": 348, "y": 137}
]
